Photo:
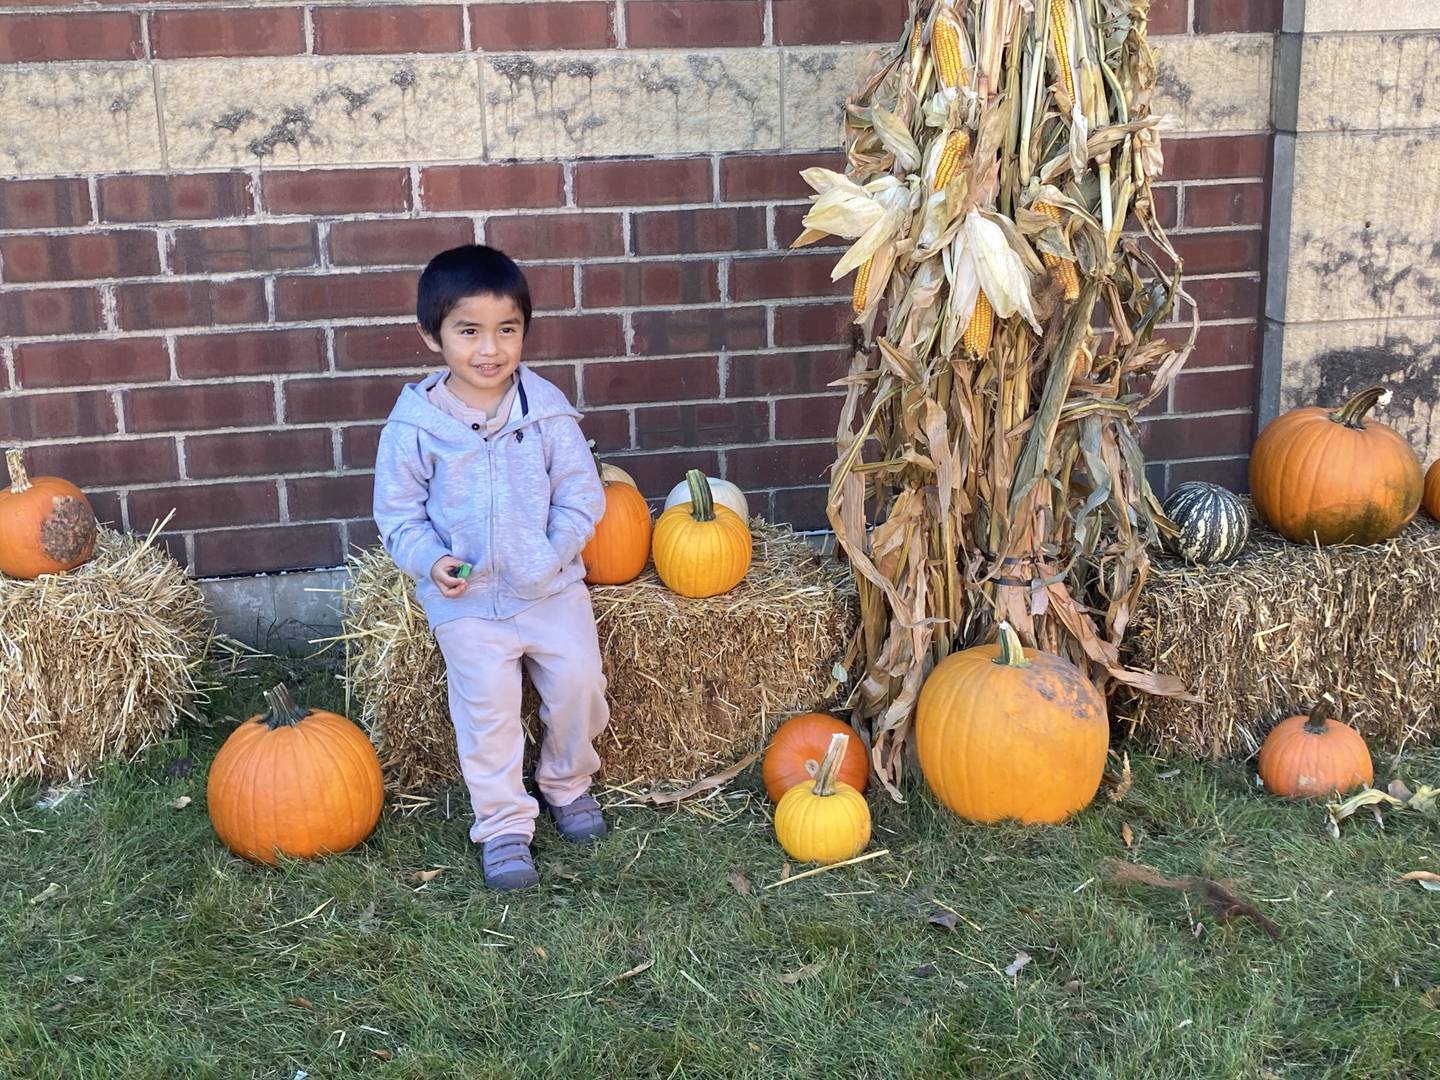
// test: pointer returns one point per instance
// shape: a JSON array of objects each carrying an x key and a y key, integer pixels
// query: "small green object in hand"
[{"x": 463, "y": 572}]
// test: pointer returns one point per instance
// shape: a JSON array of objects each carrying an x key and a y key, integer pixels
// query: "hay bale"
[
  {"x": 694, "y": 685},
  {"x": 1262, "y": 637},
  {"x": 101, "y": 660}
]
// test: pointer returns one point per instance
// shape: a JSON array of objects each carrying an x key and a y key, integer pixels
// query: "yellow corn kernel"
[
  {"x": 976, "y": 340},
  {"x": 915, "y": 40},
  {"x": 1062, "y": 47},
  {"x": 956, "y": 146},
  {"x": 945, "y": 47},
  {"x": 1065, "y": 269},
  {"x": 862, "y": 283}
]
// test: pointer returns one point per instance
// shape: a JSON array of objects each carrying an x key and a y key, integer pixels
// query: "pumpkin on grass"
[
  {"x": 46, "y": 524},
  {"x": 701, "y": 549},
  {"x": 1432, "y": 490},
  {"x": 1314, "y": 756},
  {"x": 1001, "y": 734},
  {"x": 827, "y": 820},
  {"x": 1333, "y": 477},
  {"x": 296, "y": 782},
  {"x": 621, "y": 545},
  {"x": 722, "y": 491},
  {"x": 796, "y": 749}
]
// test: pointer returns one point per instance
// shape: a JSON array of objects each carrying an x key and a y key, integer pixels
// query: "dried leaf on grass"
[
  {"x": 1225, "y": 903},
  {"x": 740, "y": 883},
  {"x": 1013, "y": 968},
  {"x": 1426, "y": 879},
  {"x": 1398, "y": 796},
  {"x": 790, "y": 978},
  {"x": 180, "y": 803}
]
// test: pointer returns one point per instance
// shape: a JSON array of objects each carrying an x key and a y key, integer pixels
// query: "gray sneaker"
[
  {"x": 580, "y": 820},
  {"x": 507, "y": 863}
]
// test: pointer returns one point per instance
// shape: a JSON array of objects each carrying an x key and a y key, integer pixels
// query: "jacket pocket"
[{"x": 529, "y": 563}]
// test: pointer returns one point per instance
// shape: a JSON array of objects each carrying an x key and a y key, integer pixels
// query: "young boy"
[{"x": 485, "y": 492}]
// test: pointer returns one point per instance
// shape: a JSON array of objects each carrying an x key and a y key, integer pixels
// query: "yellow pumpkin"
[
  {"x": 1000, "y": 734},
  {"x": 826, "y": 821},
  {"x": 700, "y": 549}
]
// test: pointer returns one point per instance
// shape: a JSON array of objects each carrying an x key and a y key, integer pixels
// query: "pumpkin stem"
[
  {"x": 1320, "y": 714},
  {"x": 1011, "y": 652},
  {"x": 1352, "y": 413},
  {"x": 830, "y": 764},
  {"x": 702, "y": 502},
  {"x": 283, "y": 712},
  {"x": 18, "y": 480},
  {"x": 594, "y": 453}
]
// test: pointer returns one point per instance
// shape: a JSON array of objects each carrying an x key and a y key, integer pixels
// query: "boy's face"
[{"x": 481, "y": 339}]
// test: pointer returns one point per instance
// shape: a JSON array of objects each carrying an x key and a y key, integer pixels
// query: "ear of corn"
[
  {"x": 915, "y": 40},
  {"x": 1064, "y": 268},
  {"x": 945, "y": 46},
  {"x": 976, "y": 340},
  {"x": 1062, "y": 46},
  {"x": 860, "y": 294},
  {"x": 956, "y": 146}
]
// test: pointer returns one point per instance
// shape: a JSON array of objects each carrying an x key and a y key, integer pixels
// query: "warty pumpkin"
[
  {"x": 1001, "y": 734},
  {"x": 296, "y": 782},
  {"x": 826, "y": 820},
  {"x": 797, "y": 748},
  {"x": 1332, "y": 477},
  {"x": 722, "y": 491},
  {"x": 46, "y": 524},
  {"x": 701, "y": 549},
  {"x": 1432, "y": 490},
  {"x": 1214, "y": 524},
  {"x": 1314, "y": 756},
  {"x": 621, "y": 545}
]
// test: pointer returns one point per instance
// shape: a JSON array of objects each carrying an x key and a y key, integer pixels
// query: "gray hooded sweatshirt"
[{"x": 518, "y": 506}]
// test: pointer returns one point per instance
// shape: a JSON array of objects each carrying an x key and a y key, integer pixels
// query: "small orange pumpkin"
[
  {"x": 1000, "y": 734},
  {"x": 621, "y": 545},
  {"x": 1333, "y": 477},
  {"x": 296, "y": 782},
  {"x": 1313, "y": 757},
  {"x": 46, "y": 524},
  {"x": 796, "y": 749},
  {"x": 1432, "y": 490}
]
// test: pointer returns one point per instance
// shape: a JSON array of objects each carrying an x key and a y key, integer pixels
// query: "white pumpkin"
[
  {"x": 613, "y": 474},
  {"x": 722, "y": 491}
]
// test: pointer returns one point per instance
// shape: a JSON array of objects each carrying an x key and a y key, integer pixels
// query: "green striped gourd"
[{"x": 1214, "y": 523}]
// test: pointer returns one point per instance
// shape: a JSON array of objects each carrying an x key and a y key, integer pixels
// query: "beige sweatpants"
[{"x": 556, "y": 640}]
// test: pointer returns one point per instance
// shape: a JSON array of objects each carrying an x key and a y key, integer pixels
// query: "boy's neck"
[{"x": 486, "y": 401}]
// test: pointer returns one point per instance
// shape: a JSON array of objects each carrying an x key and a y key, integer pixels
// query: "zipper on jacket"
[{"x": 490, "y": 528}]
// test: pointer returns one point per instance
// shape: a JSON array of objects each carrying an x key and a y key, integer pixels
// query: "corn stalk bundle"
[{"x": 989, "y": 465}]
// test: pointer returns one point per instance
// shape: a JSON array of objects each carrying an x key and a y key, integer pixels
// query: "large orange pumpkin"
[
  {"x": 621, "y": 545},
  {"x": 1332, "y": 477},
  {"x": 296, "y": 782},
  {"x": 46, "y": 524},
  {"x": 1312, "y": 757},
  {"x": 797, "y": 748},
  {"x": 1001, "y": 734},
  {"x": 1432, "y": 490}
]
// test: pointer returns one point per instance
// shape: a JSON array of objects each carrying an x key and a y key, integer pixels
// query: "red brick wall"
[{"x": 226, "y": 343}]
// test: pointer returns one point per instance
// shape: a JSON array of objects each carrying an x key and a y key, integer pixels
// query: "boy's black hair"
[{"x": 468, "y": 270}]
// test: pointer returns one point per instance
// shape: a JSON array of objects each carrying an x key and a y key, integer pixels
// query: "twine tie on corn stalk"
[{"x": 1002, "y": 437}]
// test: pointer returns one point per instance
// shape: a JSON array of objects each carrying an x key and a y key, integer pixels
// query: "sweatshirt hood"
[{"x": 538, "y": 399}]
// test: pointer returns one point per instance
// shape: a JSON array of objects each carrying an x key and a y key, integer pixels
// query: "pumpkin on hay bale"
[
  {"x": 1264, "y": 636},
  {"x": 694, "y": 684},
  {"x": 103, "y": 659}
]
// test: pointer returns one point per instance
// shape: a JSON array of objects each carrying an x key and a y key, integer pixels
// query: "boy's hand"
[{"x": 443, "y": 573}]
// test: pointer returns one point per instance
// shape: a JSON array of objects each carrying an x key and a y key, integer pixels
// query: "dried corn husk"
[{"x": 1003, "y": 481}]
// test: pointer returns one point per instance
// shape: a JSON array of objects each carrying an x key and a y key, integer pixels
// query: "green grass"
[{"x": 157, "y": 954}]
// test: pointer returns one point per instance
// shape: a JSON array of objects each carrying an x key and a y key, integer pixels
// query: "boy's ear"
[{"x": 430, "y": 342}]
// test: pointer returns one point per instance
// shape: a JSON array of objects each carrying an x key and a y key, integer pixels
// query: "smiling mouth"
[{"x": 488, "y": 370}]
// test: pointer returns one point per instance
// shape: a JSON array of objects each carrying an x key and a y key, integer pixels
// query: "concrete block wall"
[{"x": 212, "y": 216}]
